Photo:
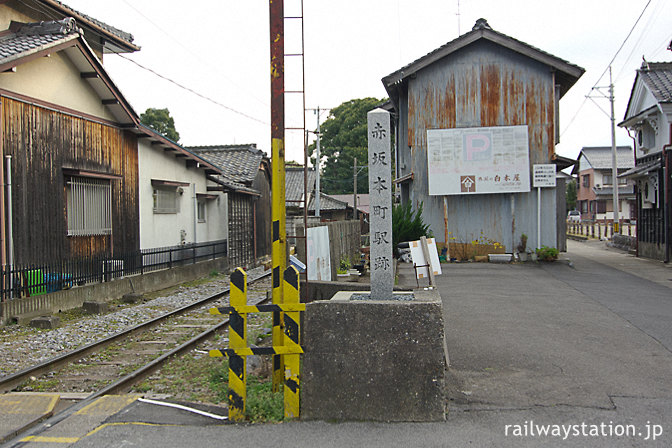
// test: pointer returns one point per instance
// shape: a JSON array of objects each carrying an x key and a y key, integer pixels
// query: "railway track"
[{"x": 116, "y": 363}]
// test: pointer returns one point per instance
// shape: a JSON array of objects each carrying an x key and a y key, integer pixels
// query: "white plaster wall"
[
  {"x": 164, "y": 229},
  {"x": 8, "y": 14},
  {"x": 55, "y": 79}
]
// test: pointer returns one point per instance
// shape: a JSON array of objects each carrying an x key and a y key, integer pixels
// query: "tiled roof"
[
  {"x": 128, "y": 37},
  {"x": 235, "y": 186},
  {"x": 294, "y": 184},
  {"x": 327, "y": 203},
  {"x": 623, "y": 191},
  {"x": 23, "y": 39},
  {"x": 239, "y": 163},
  {"x": 599, "y": 157},
  {"x": 363, "y": 199},
  {"x": 658, "y": 78}
]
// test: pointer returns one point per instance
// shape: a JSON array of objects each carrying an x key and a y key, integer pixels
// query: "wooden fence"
[{"x": 344, "y": 242}]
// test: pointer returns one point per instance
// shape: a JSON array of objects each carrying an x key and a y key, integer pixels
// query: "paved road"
[
  {"x": 584, "y": 347},
  {"x": 640, "y": 291}
]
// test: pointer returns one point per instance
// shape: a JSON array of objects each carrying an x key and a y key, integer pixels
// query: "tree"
[
  {"x": 161, "y": 121},
  {"x": 344, "y": 137},
  {"x": 571, "y": 195}
]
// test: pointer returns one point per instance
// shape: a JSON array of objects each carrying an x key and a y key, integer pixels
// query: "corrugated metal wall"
[
  {"x": 478, "y": 86},
  {"x": 42, "y": 142}
]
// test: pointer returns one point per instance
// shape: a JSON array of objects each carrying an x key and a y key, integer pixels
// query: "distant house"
[
  {"x": 245, "y": 178},
  {"x": 175, "y": 200},
  {"x": 331, "y": 208},
  {"x": 87, "y": 179},
  {"x": 594, "y": 183},
  {"x": 296, "y": 181},
  {"x": 362, "y": 201},
  {"x": 649, "y": 117},
  {"x": 471, "y": 119}
]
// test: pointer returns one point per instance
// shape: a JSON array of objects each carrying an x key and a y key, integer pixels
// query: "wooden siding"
[{"x": 42, "y": 142}]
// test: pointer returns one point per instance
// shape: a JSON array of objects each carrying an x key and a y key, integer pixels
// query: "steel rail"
[
  {"x": 125, "y": 383},
  {"x": 9, "y": 382}
]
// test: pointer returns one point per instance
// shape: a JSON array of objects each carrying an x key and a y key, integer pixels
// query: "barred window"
[
  {"x": 89, "y": 206},
  {"x": 166, "y": 200},
  {"x": 201, "y": 211}
]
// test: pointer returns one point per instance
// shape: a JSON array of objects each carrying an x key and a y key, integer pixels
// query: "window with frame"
[
  {"x": 88, "y": 206},
  {"x": 166, "y": 200},
  {"x": 586, "y": 180},
  {"x": 201, "y": 211}
]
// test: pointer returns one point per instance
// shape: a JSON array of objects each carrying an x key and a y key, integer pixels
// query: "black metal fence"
[{"x": 32, "y": 280}]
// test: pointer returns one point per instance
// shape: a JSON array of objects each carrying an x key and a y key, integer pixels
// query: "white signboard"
[
  {"x": 544, "y": 175},
  {"x": 419, "y": 258},
  {"x": 319, "y": 260},
  {"x": 478, "y": 160}
]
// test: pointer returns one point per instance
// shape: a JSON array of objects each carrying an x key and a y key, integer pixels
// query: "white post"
[
  {"x": 10, "y": 226},
  {"x": 614, "y": 166},
  {"x": 538, "y": 217}
]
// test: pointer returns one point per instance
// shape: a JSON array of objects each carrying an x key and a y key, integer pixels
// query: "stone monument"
[
  {"x": 380, "y": 196},
  {"x": 378, "y": 356}
]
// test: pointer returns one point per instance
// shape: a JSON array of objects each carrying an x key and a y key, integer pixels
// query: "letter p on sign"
[{"x": 477, "y": 147}]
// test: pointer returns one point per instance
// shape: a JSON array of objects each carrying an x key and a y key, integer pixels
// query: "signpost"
[
  {"x": 380, "y": 193},
  {"x": 543, "y": 176}
]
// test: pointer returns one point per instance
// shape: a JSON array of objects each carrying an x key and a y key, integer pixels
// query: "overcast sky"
[{"x": 220, "y": 49}]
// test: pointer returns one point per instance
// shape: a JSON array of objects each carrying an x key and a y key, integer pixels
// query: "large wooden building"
[
  {"x": 482, "y": 81},
  {"x": 73, "y": 148}
]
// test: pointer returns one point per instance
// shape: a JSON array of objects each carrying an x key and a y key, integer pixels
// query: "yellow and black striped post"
[
  {"x": 292, "y": 326},
  {"x": 237, "y": 340},
  {"x": 278, "y": 250}
]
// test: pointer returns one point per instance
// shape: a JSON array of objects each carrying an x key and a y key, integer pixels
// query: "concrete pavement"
[{"x": 580, "y": 348}]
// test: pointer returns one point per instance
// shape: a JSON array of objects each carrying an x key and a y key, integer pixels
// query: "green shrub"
[
  {"x": 547, "y": 253},
  {"x": 407, "y": 225}
]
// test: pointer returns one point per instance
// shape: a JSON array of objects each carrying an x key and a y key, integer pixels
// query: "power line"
[
  {"x": 207, "y": 98},
  {"x": 608, "y": 65},
  {"x": 188, "y": 50}
]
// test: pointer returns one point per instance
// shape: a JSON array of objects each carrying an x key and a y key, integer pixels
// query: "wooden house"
[
  {"x": 73, "y": 147},
  {"x": 245, "y": 177},
  {"x": 649, "y": 118},
  {"x": 497, "y": 97}
]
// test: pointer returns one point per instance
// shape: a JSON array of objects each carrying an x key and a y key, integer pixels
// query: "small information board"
[{"x": 544, "y": 175}]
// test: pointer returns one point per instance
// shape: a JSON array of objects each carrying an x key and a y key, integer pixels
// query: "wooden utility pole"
[
  {"x": 355, "y": 215},
  {"x": 278, "y": 210}
]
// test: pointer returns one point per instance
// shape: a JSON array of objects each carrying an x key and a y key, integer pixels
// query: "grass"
[{"x": 199, "y": 378}]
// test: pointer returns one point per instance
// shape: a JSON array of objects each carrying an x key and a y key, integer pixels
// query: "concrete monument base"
[{"x": 376, "y": 360}]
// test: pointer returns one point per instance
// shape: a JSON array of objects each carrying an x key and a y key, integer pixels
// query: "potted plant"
[
  {"x": 342, "y": 273},
  {"x": 522, "y": 248}
]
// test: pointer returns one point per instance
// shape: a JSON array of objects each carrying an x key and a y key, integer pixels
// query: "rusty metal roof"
[{"x": 566, "y": 73}]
